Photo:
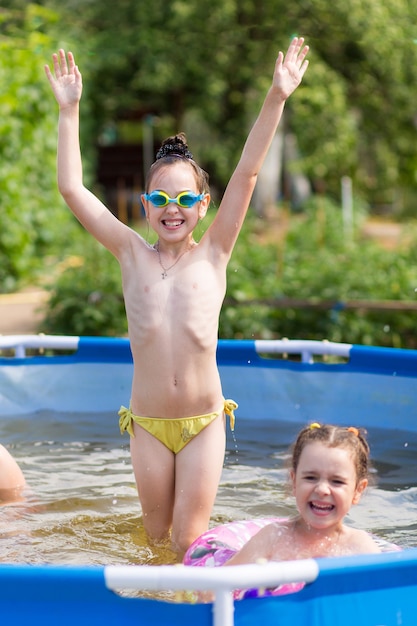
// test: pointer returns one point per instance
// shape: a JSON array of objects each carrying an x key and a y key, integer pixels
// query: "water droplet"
[{"x": 236, "y": 447}]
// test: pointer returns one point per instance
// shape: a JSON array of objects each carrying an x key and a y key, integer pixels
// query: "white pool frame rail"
[
  {"x": 304, "y": 347},
  {"x": 21, "y": 343},
  {"x": 220, "y": 580}
]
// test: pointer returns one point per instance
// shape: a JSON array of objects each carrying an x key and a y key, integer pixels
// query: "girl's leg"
[
  {"x": 198, "y": 469},
  {"x": 154, "y": 469}
]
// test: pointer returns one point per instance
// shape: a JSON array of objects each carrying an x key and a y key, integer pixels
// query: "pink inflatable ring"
[{"x": 217, "y": 545}]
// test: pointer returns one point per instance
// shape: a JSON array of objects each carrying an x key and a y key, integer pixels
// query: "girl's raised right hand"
[{"x": 66, "y": 81}]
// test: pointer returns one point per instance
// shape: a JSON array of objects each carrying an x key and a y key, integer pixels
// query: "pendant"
[{"x": 164, "y": 275}]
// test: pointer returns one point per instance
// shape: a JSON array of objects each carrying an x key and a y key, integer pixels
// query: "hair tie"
[
  {"x": 175, "y": 150},
  {"x": 353, "y": 430},
  {"x": 314, "y": 425}
]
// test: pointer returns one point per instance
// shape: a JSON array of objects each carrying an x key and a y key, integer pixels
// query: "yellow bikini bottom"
[{"x": 174, "y": 433}]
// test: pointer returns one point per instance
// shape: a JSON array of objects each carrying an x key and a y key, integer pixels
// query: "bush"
[
  {"x": 313, "y": 261},
  {"x": 32, "y": 219},
  {"x": 86, "y": 298}
]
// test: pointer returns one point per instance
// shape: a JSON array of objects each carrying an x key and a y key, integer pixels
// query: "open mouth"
[
  {"x": 320, "y": 507},
  {"x": 172, "y": 223}
]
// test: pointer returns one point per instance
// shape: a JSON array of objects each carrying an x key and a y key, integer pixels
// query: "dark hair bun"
[{"x": 174, "y": 147}]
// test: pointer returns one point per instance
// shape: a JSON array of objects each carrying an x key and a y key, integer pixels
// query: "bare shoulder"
[
  {"x": 361, "y": 542},
  {"x": 12, "y": 480},
  {"x": 217, "y": 243},
  {"x": 133, "y": 244},
  {"x": 264, "y": 545}
]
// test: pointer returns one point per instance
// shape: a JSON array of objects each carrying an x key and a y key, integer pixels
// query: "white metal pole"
[{"x": 223, "y": 608}]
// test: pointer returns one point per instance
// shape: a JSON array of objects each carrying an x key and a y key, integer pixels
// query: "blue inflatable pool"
[{"x": 297, "y": 381}]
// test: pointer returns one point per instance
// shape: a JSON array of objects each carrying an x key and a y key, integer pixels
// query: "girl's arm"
[
  {"x": 257, "y": 549},
  {"x": 363, "y": 543},
  {"x": 288, "y": 73},
  {"x": 66, "y": 84},
  {"x": 12, "y": 480}
]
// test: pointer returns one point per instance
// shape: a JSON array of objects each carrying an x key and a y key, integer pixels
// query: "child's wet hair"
[
  {"x": 172, "y": 149},
  {"x": 351, "y": 438}
]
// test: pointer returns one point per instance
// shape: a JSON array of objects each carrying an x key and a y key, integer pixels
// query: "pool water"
[{"x": 83, "y": 507}]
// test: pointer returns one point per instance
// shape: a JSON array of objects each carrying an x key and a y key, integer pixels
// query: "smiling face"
[
  {"x": 172, "y": 222},
  {"x": 325, "y": 485}
]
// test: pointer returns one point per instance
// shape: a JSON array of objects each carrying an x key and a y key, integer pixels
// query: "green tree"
[
  {"x": 205, "y": 64},
  {"x": 32, "y": 219},
  {"x": 370, "y": 48}
]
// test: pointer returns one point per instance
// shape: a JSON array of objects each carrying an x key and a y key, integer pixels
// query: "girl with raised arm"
[{"x": 173, "y": 293}]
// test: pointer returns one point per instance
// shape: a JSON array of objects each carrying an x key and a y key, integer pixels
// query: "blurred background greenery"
[{"x": 152, "y": 68}]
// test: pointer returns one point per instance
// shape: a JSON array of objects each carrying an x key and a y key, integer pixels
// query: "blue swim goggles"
[{"x": 185, "y": 199}]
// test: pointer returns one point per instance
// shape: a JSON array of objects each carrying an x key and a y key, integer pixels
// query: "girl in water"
[
  {"x": 173, "y": 294},
  {"x": 12, "y": 481},
  {"x": 329, "y": 473}
]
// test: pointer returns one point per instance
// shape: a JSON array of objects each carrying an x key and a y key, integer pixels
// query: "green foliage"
[
  {"x": 205, "y": 66},
  {"x": 211, "y": 61},
  {"x": 32, "y": 221},
  {"x": 313, "y": 261},
  {"x": 86, "y": 298},
  {"x": 377, "y": 74}
]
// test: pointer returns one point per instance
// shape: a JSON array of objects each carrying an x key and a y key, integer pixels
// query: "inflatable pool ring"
[{"x": 216, "y": 546}]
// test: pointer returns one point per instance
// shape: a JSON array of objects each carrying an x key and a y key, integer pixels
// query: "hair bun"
[{"x": 174, "y": 146}]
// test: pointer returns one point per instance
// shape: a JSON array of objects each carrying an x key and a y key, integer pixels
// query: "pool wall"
[
  {"x": 370, "y": 590},
  {"x": 270, "y": 380},
  {"x": 371, "y": 387}
]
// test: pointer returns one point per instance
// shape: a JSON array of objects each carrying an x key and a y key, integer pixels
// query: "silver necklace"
[{"x": 165, "y": 270}]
